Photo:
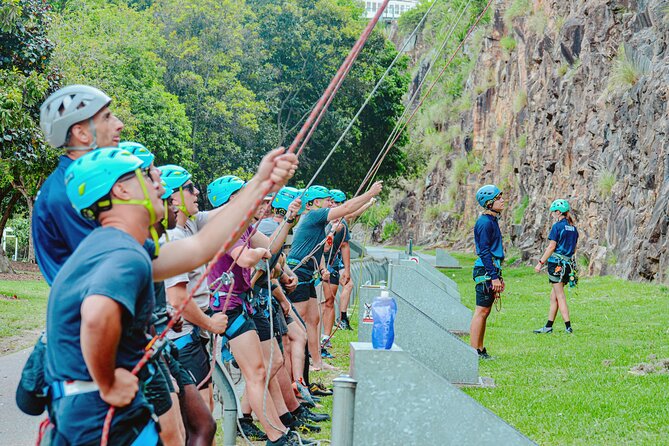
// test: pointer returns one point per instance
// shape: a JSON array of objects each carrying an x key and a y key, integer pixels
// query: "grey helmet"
[{"x": 68, "y": 106}]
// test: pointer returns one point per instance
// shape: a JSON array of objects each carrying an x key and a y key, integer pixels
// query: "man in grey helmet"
[{"x": 76, "y": 118}]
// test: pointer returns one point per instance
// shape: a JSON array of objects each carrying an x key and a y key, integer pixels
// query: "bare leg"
[
  {"x": 248, "y": 354},
  {"x": 552, "y": 310},
  {"x": 558, "y": 289},
  {"x": 298, "y": 340},
  {"x": 200, "y": 425},
  {"x": 477, "y": 328},
  {"x": 172, "y": 432},
  {"x": 309, "y": 312},
  {"x": 345, "y": 296},
  {"x": 329, "y": 291}
]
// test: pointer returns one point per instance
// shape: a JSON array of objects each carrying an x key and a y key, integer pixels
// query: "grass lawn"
[
  {"x": 576, "y": 389},
  {"x": 21, "y": 318}
]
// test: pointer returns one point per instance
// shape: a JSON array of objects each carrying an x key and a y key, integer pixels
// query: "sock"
[
  {"x": 305, "y": 370},
  {"x": 287, "y": 419},
  {"x": 567, "y": 324},
  {"x": 296, "y": 412},
  {"x": 549, "y": 324},
  {"x": 344, "y": 316}
]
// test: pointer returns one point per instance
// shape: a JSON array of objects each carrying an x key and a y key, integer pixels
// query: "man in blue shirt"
[
  {"x": 487, "y": 268},
  {"x": 95, "y": 321},
  {"x": 76, "y": 118},
  {"x": 307, "y": 251}
]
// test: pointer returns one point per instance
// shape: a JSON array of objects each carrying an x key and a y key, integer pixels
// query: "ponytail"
[{"x": 569, "y": 218}]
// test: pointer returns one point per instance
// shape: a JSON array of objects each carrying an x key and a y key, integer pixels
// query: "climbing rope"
[{"x": 331, "y": 90}]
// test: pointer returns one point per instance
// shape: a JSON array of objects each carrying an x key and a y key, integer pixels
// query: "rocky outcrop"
[{"x": 577, "y": 110}]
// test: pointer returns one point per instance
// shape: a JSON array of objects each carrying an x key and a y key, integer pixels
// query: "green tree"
[
  {"x": 26, "y": 78},
  {"x": 209, "y": 43},
  {"x": 115, "y": 48}
]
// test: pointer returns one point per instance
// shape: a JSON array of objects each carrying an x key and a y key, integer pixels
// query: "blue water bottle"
[{"x": 384, "y": 310}]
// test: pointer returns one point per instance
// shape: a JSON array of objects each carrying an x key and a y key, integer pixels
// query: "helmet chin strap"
[
  {"x": 164, "y": 222},
  {"x": 182, "y": 205},
  {"x": 146, "y": 202}
]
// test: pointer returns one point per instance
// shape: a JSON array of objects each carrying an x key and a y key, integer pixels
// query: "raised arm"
[
  {"x": 356, "y": 203},
  {"x": 360, "y": 211},
  {"x": 187, "y": 254}
]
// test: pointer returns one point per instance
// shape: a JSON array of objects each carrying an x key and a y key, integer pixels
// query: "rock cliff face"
[{"x": 569, "y": 100}]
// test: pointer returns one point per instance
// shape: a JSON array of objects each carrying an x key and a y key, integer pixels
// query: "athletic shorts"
[
  {"x": 280, "y": 324},
  {"x": 179, "y": 372},
  {"x": 484, "y": 294},
  {"x": 262, "y": 326},
  {"x": 194, "y": 358},
  {"x": 557, "y": 274},
  {"x": 334, "y": 275},
  {"x": 248, "y": 325},
  {"x": 306, "y": 289},
  {"x": 158, "y": 386}
]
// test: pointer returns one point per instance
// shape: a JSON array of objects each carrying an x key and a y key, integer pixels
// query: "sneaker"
[
  {"x": 344, "y": 324},
  {"x": 299, "y": 425},
  {"x": 483, "y": 354},
  {"x": 295, "y": 439},
  {"x": 326, "y": 354},
  {"x": 569, "y": 330},
  {"x": 325, "y": 342},
  {"x": 281, "y": 441},
  {"x": 305, "y": 414},
  {"x": 304, "y": 393},
  {"x": 319, "y": 389},
  {"x": 251, "y": 431},
  {"x": 544, "y": 330}
]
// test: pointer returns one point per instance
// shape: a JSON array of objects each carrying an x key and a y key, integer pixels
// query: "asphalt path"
[{"x": 16, "y": 428}]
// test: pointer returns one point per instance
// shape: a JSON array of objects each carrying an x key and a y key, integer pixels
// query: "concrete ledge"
[
  {"x": 406, "y": 281},
  {"x": 425, "y": 340},
  {"x": 400, "y": 402},
  {"x": 432, "y": 274},
  {"x": 445, "y": 260}
]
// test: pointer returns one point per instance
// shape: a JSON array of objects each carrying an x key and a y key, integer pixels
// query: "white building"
[{"x": 394, "y": 9}]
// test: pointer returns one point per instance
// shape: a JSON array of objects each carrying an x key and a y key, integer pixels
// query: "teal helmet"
[
  {"x": 560, "y": 205},
  {"x": 221, "y": 189},
  {"x": 139, "y": 151},
  {"x": 337, "y": 195},
  {"x": 316, "y": 192},
  {"x": 90, "y": 178},
  {"x": 174, "y": 177},
  {"x": 487, "y": 193},
  {"x": 284, "y": 197}
]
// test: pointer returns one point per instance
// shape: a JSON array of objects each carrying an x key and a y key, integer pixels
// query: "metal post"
[
  {"x": 223, "y": 382},
  {"x": 410, "y": 246},
  {"x": 343, "y": 408}
]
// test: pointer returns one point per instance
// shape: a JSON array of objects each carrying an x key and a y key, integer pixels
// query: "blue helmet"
[
  {"x": 316, "y": 192},
  {"x": 486, "y": 194},
  {"x": 174, "y": 177},
  {"x": 560, "y": 205},
  {"x": 337, "y": 195},
  {"x": 90, "y": 178},
  {"x": 221, "y": 189},
  {"x": 284, "y": 197},
  {"x": 139, "y": 151}
]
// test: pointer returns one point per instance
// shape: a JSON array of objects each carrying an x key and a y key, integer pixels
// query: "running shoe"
[
  {"x": 569, "y": 330},
  {"x": 326, "y": 354},
  {"x": 319, "y": 389},
  {"x": 483, "y": 354},
  {"x": 305, "y": 414},
  {"x": 251, "y": 431},
  {"x": 344, "y": 324},
  {"x": 544, "y": 330},
  {"x": 301, "y": 426}
]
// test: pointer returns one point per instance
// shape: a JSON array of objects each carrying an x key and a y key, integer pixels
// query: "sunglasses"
[{"x": 189, "y": 187}]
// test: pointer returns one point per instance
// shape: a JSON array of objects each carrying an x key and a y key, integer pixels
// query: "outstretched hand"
[
  {"x": 376, "y": 188},
  {"x": 278, "y": 167}
]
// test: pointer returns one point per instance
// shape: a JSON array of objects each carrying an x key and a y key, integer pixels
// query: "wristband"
[
  {"x": 290, "y": 221},
  {"x": 540, "y": 261}
]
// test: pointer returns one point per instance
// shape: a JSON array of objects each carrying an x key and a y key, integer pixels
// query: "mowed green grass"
[
  {"x": 20, "y": 318},
  {"x": 561, "y": 389}
]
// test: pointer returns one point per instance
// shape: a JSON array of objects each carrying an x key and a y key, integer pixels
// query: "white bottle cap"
[{"x": 384, "y": 293}]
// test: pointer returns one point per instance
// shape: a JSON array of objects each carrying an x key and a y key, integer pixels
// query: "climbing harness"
[{"x": 564, "y": 262}]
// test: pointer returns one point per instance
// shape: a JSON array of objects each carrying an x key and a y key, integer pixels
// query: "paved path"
[
  {"x": 380, "y": 253},
  {"x": 16, "y": 428}
]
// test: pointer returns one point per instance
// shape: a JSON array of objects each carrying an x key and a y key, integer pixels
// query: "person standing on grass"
[
  {"x": 559, "y": 255},
  {"x": 487, "y": 268}
]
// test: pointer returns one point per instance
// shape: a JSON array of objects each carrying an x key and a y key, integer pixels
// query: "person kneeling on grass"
[{"x": 561, "y": 268}]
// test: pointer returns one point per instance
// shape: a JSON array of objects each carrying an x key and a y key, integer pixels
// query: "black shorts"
[
  {"x": 179, "y": 372},
  {"x": 194, "y": 358},
  {"x": 248, "y": 325},
  {"x": 334, "y": 276},
  {"x": 306, "y": 289},
  {"x": 558, "y": 272},
  {"x": 280, "y": 323},
  {"x": 262, "y": 326},
  {"x": 158, "y": 386},
  {"x": 484, "y": 294}
]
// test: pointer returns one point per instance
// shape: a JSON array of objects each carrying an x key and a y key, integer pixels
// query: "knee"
[
  {"x": 329, "y": 303},
  {"x": 257, "y": 374}
]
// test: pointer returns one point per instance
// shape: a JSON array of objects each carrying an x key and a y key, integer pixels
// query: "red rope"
[{"x": 326, "y": 98}]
